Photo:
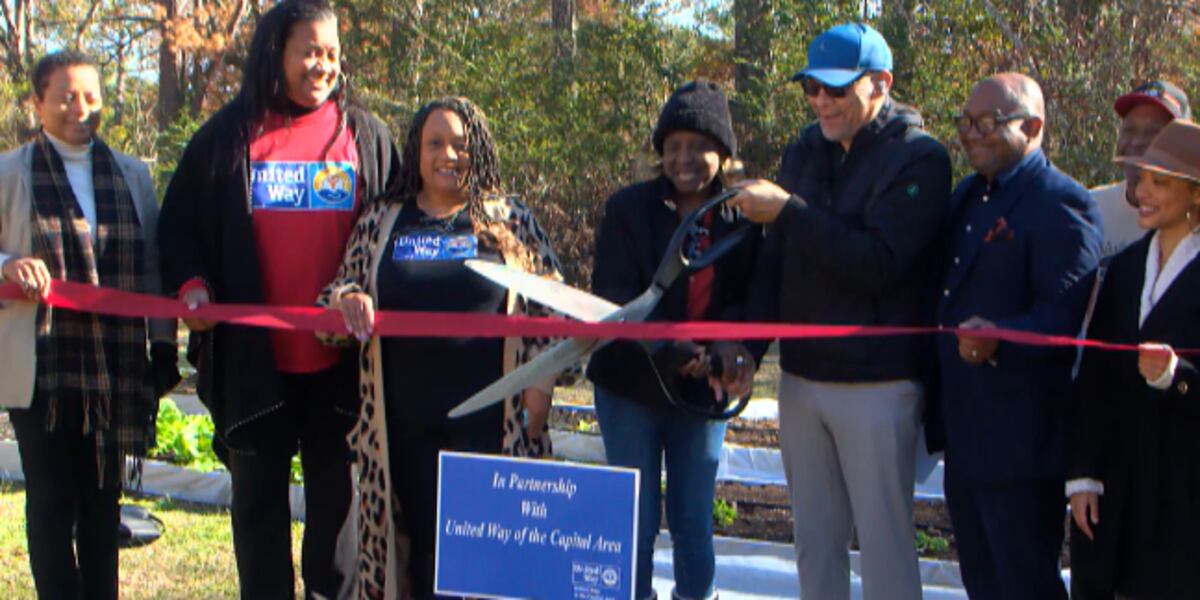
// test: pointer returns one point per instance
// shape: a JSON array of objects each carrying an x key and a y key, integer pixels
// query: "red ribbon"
[{"x": 106, "y": 301}]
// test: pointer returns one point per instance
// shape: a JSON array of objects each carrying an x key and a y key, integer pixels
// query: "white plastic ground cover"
[
  {"x": 750, "y": 570},
  {"x": 746, "y": 569},
  {"x": 162, "y": 479},
  {"x": 750, "y": 466}
]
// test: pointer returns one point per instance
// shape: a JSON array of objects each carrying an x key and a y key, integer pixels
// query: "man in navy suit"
[{"x": 1023, "y": 236}]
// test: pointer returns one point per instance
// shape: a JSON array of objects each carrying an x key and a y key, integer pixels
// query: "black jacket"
[
  {"x": 633, "y": 237},
  {"x": 1141, "y": 442},
  {"x": 858, "y": 243},
  {"x": 206, "y": 231}
]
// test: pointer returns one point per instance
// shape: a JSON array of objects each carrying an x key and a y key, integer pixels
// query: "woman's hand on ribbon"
[
  {"x": 1154, "y": 360},
  {"x": 31, "y": 274},
  {"x": 358, "y": 309},
  {"x": 195, "y": 298}
]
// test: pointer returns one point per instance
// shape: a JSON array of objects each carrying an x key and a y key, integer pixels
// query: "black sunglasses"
[{"x": 813, "y": 87}]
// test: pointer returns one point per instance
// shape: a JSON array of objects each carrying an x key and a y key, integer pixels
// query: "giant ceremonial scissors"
[{"x": 587, "y": 307}]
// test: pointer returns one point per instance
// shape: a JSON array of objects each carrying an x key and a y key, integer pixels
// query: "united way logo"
[
  {"x": 334, "y": 184},
  {"x": 302, "y": 186}
]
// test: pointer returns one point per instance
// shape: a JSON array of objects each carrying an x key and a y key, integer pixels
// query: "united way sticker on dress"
[
  {"x": 427, "y": 245},
  {"x": 302, "y": 186}
]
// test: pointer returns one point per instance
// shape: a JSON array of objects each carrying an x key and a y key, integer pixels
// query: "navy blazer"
[{"x": 1020, "y": 255}]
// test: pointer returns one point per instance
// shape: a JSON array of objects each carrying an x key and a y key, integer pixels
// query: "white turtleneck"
[{"x": 77, "y": 160}]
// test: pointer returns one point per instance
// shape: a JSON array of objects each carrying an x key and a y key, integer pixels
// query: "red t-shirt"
[
  {"x": 700, "y": 283},
  {"x": 305, "y": 199}
]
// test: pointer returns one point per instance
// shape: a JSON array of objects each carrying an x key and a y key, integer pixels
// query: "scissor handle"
[
  {"x": 675, "y": 262},
  {"x": 666, "y": 367}
]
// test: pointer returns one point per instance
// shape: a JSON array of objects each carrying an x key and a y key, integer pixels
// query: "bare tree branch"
[{"x": 86, "y": 22}]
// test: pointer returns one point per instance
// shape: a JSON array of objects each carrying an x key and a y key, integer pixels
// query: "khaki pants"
[{"x": 849, "y": 457}]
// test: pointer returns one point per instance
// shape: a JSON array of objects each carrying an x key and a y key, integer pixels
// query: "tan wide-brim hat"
[{"x": 1175, "y": 151}]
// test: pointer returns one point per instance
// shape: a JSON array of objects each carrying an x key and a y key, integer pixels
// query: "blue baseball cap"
[{"x": 843, "y": 53}]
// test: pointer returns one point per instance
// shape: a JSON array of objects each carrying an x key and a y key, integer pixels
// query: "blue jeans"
[{"x": 638, "y": 436}]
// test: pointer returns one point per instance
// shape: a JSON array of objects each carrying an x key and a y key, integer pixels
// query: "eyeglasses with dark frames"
[{"x": 986, "y": 124}]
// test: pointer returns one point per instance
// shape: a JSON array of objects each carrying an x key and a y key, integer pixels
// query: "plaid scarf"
[{"x": 97, "y": 360}]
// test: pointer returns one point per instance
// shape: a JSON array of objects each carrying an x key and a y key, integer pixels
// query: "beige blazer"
[{"x": 18, "y": 361}]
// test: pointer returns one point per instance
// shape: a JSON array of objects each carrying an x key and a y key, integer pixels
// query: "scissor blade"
[
  {"x": 551, "y": 362},
  {"x": 557, "y": 296}
]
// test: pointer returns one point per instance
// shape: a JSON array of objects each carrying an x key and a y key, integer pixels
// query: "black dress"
[
  {"x": 1142, "y": 443},
  {"x": 426, "y": 377}
]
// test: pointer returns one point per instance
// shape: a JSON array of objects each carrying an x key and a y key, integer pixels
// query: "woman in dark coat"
[
  {"x": 694, "y": 139},
  {"x": 258, "y": 211},
  {"x": 1134, "y": 442}
]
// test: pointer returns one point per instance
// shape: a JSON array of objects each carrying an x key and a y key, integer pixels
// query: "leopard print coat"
[{"x": 383, "y": 545}]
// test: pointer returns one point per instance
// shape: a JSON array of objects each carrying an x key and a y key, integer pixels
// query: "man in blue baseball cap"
[{"x": 856, "y": 213}]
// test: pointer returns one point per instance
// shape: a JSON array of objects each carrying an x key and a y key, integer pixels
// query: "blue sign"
[
  {"x": 520, "y": 528},
  {"x": 302, "y": 186},
  {"x": 428, "y": 245}
]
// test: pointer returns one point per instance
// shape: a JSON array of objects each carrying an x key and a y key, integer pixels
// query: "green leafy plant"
[
  {"x": 183, "y": 439},
  {"x": 931, "y": 544},
  {"x": 724, "y": 513},
  {"x": 297, "y": 474},
  {"x": 186, "y": 440}
]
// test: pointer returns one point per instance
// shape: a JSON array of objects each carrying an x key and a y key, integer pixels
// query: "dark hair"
[
  {"x": 264, "y": 85},
  {"x": 484, "y": 174},
  {"x": 46, "y": 66},
  {"x": 483, "y": 177}
]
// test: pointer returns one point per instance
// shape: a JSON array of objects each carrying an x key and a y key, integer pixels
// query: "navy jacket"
[
  {"x": 1020, "y": 254},
  {"x": 632, "y": 239},
  {"x": 858, "y": 244}
]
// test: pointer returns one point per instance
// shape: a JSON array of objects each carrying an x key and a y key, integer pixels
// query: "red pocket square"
[{"x": 999, "y": 232}]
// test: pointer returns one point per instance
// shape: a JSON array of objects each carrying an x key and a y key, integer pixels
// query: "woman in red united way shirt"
[{"x": 262, "y": 203}]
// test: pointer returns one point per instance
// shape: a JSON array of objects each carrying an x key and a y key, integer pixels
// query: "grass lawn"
[{"x": 192, "y": 560}]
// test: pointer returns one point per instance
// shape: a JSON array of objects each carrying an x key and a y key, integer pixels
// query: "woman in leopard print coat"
[{"x": 448, "y": 190}]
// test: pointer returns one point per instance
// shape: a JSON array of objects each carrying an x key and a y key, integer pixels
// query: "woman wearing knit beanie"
[{"x": 695, "y": 143}]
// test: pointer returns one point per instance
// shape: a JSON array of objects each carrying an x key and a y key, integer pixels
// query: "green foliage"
[
  {"x": 296, "y": 475},
  {"x": 724, "y": 513},
  {"x": 571, "y": 130},
  {"x": 170, "y": 145},
  {"x": 187, "y": 440},
  {"x": 183, "y": 439},
  {"x": 931, "y": 545}
]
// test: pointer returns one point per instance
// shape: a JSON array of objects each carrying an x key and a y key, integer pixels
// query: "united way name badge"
[
  {"x": 427, "y": 245},
  {"x": 520, "y": 528},
  {"x": 302, "y": 186}
]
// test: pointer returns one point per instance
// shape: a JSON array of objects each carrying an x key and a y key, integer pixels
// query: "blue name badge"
[
  {"x": 302, "y": 186},
  {"x": 520, "y": 528},
  {"x": 427, "y": 245}
]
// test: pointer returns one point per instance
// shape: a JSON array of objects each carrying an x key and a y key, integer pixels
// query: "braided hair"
[
  {"x": 482, "y": 180},
  {"x": 264, "y": 85}
]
